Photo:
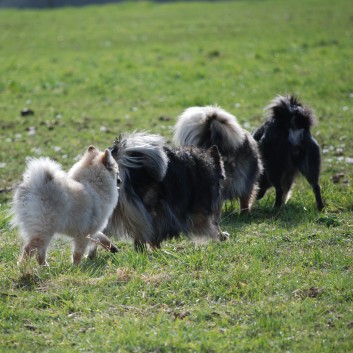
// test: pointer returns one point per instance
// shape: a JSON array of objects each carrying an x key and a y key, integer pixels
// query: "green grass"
[{"x": 283, "y": 282}]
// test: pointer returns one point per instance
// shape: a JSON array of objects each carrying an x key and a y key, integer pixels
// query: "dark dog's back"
[
  {"x": 183, "y": 198},
  {"x": 287, "y": 148}
]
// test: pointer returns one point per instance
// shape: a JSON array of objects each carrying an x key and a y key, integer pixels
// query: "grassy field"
[{"x": 283, "y": 282}]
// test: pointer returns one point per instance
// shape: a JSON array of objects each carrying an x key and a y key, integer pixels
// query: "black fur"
[
  {"x": 166, "y": 191},
  {"x": 287, "y": 148}
]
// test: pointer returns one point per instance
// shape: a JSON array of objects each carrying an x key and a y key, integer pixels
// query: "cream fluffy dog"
[{"x": 77, "y": 204}]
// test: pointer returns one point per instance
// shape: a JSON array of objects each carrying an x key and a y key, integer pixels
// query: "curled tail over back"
[
  {"x": 211, "y": 125},
  {"x": 39, "y": 170},
  {"x": 289, "y": 110},
  {"x": 140, "y": 150},
  {"x": 37, "y": 174},
  {"x": 208, "y": 126},
  {"x": 143, "y": 164}
]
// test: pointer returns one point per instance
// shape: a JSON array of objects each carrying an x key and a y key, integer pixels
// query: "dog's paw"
[
  {"x": 113, "y": 248},
  {"x": 223, "y": 236}
]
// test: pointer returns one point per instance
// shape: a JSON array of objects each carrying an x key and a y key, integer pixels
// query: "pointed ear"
[
  {"x": 117, "y": 140},
  {"x": 106, "y": 158},
  {"x": 214, "y": 153},
  {"x": 91, "y": 152}
]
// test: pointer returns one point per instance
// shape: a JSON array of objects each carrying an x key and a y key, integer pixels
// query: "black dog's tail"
[
  {"x": 208, "y": 126},
  {"x": 141, "y": 156},
  {"x": 140, "y": 150},
  {"x": 289, "y": 110}
]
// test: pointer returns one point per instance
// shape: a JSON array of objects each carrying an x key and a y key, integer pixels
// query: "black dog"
[
  {"x": 287, "y": 148},
  {"x": 166, "y": 191}
]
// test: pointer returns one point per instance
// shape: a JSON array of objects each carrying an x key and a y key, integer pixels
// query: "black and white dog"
[
  {"x": 210, "y": 125},
  {"x": 166, "y": 191},
  {"x": 287, "y": 147}
]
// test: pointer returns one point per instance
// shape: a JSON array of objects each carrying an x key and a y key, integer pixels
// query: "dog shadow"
[
  {"x": 33, "y": 277},
  {"x": 290, "y": 215}
]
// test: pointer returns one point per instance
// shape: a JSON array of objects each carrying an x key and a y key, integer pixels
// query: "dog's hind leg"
[
  {"x": 317, "y": 192},
  {"x": 276, "y": 182},
  {"x": 283, "y": 186},
  {"x": 264, "y": 184},
  {"x": 287, "y": 183},
  {"x": 279, "y": 197},
  {"x": 283, "y": 192},
  {"x": 101, "y": 239},
  {"x": 222, "y": 236},
  {"x": 36, "y": 246},
  {"x": 282, "y": 195},
  {"x": 245, "y": 204},
  {"x": 205, "y": 226},
  {"x": 310, "y": 168},
  {"x": 79, "y": 247},
  {"x": 155, "y": 245}
]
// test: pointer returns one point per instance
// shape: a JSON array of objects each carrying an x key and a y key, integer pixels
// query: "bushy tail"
[
  {"x": 133, "y": 152},
  {"x": 141, "y": 150},
  {"x": 37, "y": 174},
  {"x": 208, "y": 126},
  {"x": 285, "y": 108},
  {"x": 39, "y": 170}
]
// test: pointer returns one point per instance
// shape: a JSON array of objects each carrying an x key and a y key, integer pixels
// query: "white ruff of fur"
[
  {"x": 191, "y": 123},
  {"x": 51, "y": 201}
]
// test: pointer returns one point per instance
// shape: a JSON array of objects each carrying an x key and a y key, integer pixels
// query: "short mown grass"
[{"x": 283, "y": 282}]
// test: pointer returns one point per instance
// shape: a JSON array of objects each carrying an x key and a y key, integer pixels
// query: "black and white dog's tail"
[
  {"x": 211, "y": 125},
  {"x": 208, "y": 126},
  {"x": 289, "y": 109},
  {"x": 140, "y": 150},
  {"x": 140, "y": 156}
]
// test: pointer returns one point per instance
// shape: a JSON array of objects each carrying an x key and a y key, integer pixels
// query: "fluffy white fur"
[
  {"x": 77, "y": 203},
  {"x": 187, "y": 131}
]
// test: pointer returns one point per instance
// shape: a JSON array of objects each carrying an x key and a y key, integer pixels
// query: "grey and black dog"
[
  {"x": 210, "y": 125},
  {"x": 166, "y": 191},
  {"x": 287, "y": 148}
]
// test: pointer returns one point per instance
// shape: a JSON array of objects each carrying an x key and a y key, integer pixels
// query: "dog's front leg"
[{"x": 140, "y": 246}]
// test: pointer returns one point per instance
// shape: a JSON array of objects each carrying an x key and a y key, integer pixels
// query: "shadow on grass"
[
  {"x": 33, "y": 277},
  {"x": 28, "y": 281},
  {"x": 291, "y": 215}
]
